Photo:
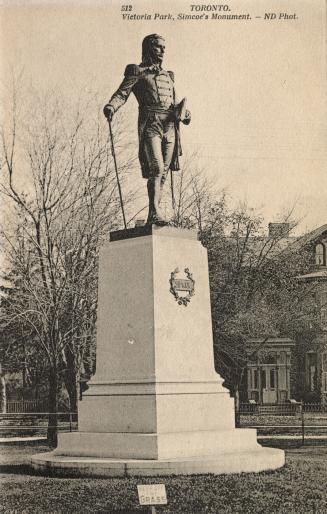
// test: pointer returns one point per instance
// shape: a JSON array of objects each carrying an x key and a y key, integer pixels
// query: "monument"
[
  {"x": 156, "y": 405},
  {"x": 159, "y": 118}
]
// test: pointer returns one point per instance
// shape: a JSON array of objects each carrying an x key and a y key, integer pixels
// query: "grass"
[{"x": 299, "y": 487}]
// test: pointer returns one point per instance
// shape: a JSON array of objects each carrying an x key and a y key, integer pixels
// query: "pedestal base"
[
  {"x": 235, "y": 462},
  {"x": 156, "y": 405}
]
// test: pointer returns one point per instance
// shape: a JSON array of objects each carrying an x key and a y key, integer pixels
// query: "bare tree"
[
  {"x": 255, "y": 291},
  {"x": 190, "y": 194},
  {"x": 3, "y": 395},
  {"x": 61, "y": 180}
]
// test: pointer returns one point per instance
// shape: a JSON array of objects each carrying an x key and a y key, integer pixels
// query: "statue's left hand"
[{"x": 187, "y": 118}]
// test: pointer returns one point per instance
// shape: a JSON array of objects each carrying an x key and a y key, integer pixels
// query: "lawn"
[{"x": 298, "y": 487}]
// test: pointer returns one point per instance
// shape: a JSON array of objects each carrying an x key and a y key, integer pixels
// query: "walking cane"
[
  {"x": 172, "y": 191},
  {"x": 116, "y": 169}
]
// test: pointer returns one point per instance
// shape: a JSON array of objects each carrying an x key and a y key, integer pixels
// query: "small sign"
[
  {"x": 182, "y": 284},
  {"x": 152, "y": 494}
]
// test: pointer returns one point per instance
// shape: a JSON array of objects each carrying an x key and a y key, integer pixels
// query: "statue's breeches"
[{"x": 158, "y": 142}]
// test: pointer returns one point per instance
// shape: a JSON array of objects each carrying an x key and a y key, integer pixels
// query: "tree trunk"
[
  {"x": 53, "y": 407},
  {"x": 237, "y": 406},
  {"x": 72, "y": 385},
  {"x": 71, "y": 378},
  {"x": 238, "y": 386},
  {"x": 3, "y": 397}
]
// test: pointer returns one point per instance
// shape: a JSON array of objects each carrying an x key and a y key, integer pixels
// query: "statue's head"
[{"x": 153, "y": 49}]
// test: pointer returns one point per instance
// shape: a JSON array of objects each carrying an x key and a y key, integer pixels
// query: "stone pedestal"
[{"x": 156, "y": 405}]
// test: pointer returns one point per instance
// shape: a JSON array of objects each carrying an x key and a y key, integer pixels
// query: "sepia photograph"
[{"x": 163, "y": 257}]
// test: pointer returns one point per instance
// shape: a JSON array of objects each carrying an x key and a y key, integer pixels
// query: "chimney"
[{"x": 278, "y": 230}]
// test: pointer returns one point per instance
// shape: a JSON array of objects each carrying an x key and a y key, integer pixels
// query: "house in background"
[
  {"x": 269, "y": 370},
  {"x": 312, "y": 352},
  {"x": 283, "y": 368}
]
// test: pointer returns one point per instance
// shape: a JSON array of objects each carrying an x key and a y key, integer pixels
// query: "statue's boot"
[
  {"x": 171, "y": 222},
  {"x": 162, "y": 183},
  {"x": 154, "y": 192}
]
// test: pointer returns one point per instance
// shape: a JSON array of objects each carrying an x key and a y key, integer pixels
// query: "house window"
[
  {"x": 249, "y": 379},
  {"x": 311, "y": 370},
  {"x": 320, "y": 255},
  {"x": 324, "y": 372},
  {"x": 272, "y": 379},
  {"x": 312, "y": 377},
  {"x": 283, "y": 396},
  {"x": 255, "y": 379},
  {"x": 263, "y": 379},
  {"x": 324, "y": 362},
  {"x": 323, "y": 317},
  {"x": 255, "y": 396},
  {"x": 322, "y": 300},
  {"x": 324, "y": 381},
  {"x": 283, "y": 358}
]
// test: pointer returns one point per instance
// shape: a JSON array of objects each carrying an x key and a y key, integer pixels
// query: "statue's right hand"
[
  {"x": 154, "y": 68},
  {"x": 108, "y": 111}
]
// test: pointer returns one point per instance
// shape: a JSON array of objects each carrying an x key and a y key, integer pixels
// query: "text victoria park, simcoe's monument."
[{"x": 156, "y": 405}]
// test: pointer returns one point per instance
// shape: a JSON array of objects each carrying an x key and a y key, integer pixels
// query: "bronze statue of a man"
[{"x": 159, "y": 118}]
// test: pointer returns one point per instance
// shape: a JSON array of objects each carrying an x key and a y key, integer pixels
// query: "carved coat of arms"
[{"x": 182, "y": 285}]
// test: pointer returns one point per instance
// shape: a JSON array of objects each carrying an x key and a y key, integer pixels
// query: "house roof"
[
  {"x": 310, "y": 237},
  {"x": 274, "y": 340},
  {"x": 319, "y": 274},
  {"x": 275, "y": 245},
  {"x": 295, "y": 243},
  {"x": 270, "y": 343}
]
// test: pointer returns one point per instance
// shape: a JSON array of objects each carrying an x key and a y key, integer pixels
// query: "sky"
[{"x": 256, "y": 87}]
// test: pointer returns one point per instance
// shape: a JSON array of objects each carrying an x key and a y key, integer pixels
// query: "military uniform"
[{"x": 159, "y": 140}]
